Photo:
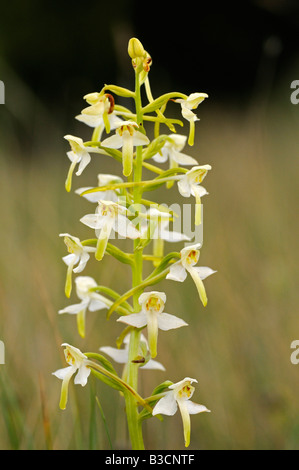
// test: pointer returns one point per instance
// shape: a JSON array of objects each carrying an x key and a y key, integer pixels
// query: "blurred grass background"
[{"x": 239, "y": 346}]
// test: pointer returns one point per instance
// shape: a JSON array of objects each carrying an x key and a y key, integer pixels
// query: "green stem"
[{"x": 134, "y": 424}]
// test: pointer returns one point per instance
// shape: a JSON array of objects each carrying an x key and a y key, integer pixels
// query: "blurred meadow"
[{"x": 238, "y": 347}]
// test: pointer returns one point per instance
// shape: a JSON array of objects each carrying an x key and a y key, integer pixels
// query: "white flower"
[
  {"x": 172, "y": 151},
  {"x": 103, "y": 180},
  {"x": 189, "y": 185},
  {"x": 79, "y": 154},
  {"x": 158, "y": 223},
  {"x": 126, "y": 136},
  {"x": 121, "y": 356},
  {"x": 77, "y": 363},
  {"x": 100, "y": 114},
  {"x": 79, "y": 255},
  {"x": 161, "y": 231},
  {"x": 152, "y": 315},
  {"x": 90, "y": 300},
  {"x": 178, "y": 271},
  {"x": 191, "y": 102},
  {"x": 179, "y": 396},
  {"x": 109, "y": 216}
]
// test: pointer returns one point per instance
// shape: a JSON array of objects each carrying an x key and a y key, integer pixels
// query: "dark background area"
[{"x": 62, "y": 50}]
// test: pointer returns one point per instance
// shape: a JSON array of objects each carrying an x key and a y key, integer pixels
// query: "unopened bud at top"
[{"x": 135, "y": 49}]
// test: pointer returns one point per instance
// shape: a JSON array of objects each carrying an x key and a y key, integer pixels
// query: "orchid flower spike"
[
  {"x": 179, "y": 397},
  {"x": 121, "y": 356},
  {"x": 109, "y": 216},
  {"x": 126, "y": 136},
  {"x": 90, "y": 300},
  {"x": 191, "y": 102},
  {"x": 109, "y": 195},
  {"x": 79, "y": 154},
  {"x": 152, "y": 316},
  {"x": 178, "y": 271},
  {"x": 77, "y": 364},
  {"x": 79, "y": 255},
  {"x": 189, "y": 185}
]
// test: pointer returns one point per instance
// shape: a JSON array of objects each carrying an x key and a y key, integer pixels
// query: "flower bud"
[{"x": 135, "y": 49}]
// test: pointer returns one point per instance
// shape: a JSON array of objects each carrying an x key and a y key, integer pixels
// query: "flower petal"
[
  {"x": 125, "y": 228},
  {"x": 204, "y": 271},
  {"x": 75, "y": 308},
  {"x": 96, "y": 304},
  {"x": 140, "y": 139},
  {"x": 154, "y": 365},
  {"x": 82, "y": 375},
  {"x": 177, "y": 272},
  {"x": 138, "y": 320},
  {"x": 184, "y": 187},
  {"x": 113, "y": 142},
  {"x": 83, "y": 260},
  {"x": 166, "y": 405},
  {"x": 85, "y": 160},
  {"x": 118, "y": 355},
  {"x": 195, "y": 408},
  {"x": 170, "y": 322},
  {"x": 173, "y": 236},
  {"x": 93, "y": 221},
  {"x": 183, "y": 159}
]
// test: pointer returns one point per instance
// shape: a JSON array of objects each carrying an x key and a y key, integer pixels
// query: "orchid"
[
  {"x": 172, "y": 151},
  {"x": 191, "y": 102},
  {"x": 79, "y": 255},
  {"x": 189, "y": 185},
  {"x": 152, "y": 316},
  {"x": 178, "y": 271},
  {"x": 90, "y": 300},
  {"x": 126, "y": 136},
  {"x": 160, "y": 232},
  {"x": 79, "y": 154},
  {"x": 100, "y": 113},
  {"x": 179, "y": 397},
  {"x": 77, "y": 364},
  {"x": 109, "y": 216},
  {"x": 121, "y": 356}
]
